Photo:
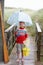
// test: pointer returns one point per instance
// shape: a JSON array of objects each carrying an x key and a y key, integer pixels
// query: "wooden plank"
[
  {"x": 6, "y": 58},
  {"x": 1, "y": 47},
  {"x": 38, "y": 27},
  {"x": 10, "y": 28}
]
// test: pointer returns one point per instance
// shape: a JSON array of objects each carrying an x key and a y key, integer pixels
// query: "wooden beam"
[
  {"x": 38, "y": 27},
  {"x": 5, "y": 50},
  {"x": 38, "y": 39}
]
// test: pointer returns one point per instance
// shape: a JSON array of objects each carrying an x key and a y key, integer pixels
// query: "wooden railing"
[
  {"x": 39, "y": 41},
  {"x": 10, "y": 37}
]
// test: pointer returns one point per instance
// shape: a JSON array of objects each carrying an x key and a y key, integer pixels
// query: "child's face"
[{"x": 22, "y": 24}]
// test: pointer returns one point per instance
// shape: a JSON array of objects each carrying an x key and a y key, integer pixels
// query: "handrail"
[
  {"x": 10, "y": 37},
  {"x": 10, "y": 28},
  {"x": 38, "y": 27}
]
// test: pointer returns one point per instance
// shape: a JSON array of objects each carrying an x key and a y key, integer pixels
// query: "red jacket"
[{"x": 21, "y": 35}]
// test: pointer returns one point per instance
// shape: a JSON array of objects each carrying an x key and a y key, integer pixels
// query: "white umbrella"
[{"x": 19, "y": 16}]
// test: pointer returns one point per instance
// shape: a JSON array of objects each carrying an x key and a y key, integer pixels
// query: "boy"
[{"x": 21, "y": 35}]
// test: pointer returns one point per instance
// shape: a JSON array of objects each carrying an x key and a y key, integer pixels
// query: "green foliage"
[
  {"x": 6, "y": 25},
  {"x": 31, "y": 30},
  {"x": 39, "y": 15},
  {"x": 41, "y": 59}
]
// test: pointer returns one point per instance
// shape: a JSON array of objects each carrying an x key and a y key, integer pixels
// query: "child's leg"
[
  {"x": 18, "y": 57},
  {"x": 22, "y": 56},
  {"x": 18, "y": 52},
  {"x": 22, "y": 46}
]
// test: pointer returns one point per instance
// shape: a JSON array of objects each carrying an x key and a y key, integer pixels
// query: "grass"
[
  {"x": 41, "y": 59},
  {"x": 6, "y": 25},
  {"x": 31, "y": 30}
]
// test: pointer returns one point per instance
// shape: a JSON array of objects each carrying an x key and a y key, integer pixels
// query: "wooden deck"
[{"x": 29, "y": 60}]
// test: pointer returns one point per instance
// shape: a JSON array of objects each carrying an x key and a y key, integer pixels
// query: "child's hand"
[{"x": 23, "y": 41}]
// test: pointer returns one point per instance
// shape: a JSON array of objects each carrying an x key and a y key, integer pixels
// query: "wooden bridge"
[{"x": 7, "y": 45}]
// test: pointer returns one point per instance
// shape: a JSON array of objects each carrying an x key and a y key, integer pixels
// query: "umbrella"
[{"x": 20, "y": 16}]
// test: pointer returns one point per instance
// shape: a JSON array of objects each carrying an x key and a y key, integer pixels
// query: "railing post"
[
  {"x": 5, "y": 51},
  {"x": 38, "y": 46},
  {"x": 38, "y": 40},
  {"x": 10, "y": 37}
]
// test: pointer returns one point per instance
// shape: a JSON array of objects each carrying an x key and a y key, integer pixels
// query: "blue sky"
[{"x": 29, "y": 4}]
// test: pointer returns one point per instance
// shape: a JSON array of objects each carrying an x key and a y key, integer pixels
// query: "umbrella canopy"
[{"x": 19, "y": 16}]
